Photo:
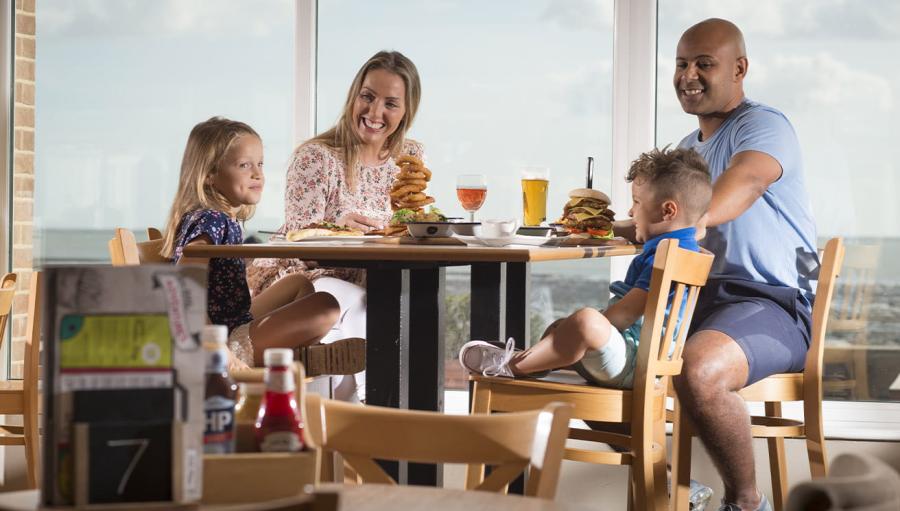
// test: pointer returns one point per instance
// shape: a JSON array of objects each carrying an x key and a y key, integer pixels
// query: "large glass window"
[
  {"x": 505, "y": 86},
  {"x": 823, "y": 65},
  {"x": 119, "y": 87}
]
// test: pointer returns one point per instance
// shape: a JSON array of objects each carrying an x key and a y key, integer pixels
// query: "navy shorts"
[{"x": 771, "y": 324}]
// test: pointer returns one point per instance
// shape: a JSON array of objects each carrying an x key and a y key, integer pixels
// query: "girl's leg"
[
  {"x": 565, "y": 342},
  {"x": 298, "y": 323},
  {"x": 284, "y": 291}
]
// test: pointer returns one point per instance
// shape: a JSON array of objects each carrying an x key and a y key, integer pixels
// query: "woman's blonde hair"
[
  {"x": 342, "y": 137},
  {"x": 207, "y": 144}
]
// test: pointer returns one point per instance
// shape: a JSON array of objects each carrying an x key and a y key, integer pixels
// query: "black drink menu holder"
[{"x": 124, "y": 385}]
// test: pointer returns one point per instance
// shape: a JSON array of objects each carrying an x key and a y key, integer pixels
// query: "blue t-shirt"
[
  {"x": 227, "y": 296},
  {"x": 641, "y": 270},
  {"x": 774, "y": 241}
]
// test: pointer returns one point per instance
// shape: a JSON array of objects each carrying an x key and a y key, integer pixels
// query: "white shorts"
[{"x": 612, "y": 365}]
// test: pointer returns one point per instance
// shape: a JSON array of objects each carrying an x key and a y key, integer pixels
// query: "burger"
[{"x": 587, "y": 212}]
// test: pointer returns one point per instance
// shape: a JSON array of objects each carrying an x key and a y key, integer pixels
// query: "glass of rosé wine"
[{"x": 471, "y": 189}]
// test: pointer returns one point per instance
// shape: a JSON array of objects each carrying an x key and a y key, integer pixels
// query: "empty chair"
[{"x": 124, "y": 250}]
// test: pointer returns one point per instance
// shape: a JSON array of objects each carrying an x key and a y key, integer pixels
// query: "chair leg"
[
  {"x": 777, "y": 462},
  {"x": 629, "y": 497},
  {"x": 682, "y": 434},
  {"x": 32, "y": 452},
  {"x": 815, "y": 440},
  {"x": 481, "y": 403},
  {"x": 660, "y": 490}
]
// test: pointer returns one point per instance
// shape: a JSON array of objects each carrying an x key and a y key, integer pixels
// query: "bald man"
[{"x": 753, "y": 317}]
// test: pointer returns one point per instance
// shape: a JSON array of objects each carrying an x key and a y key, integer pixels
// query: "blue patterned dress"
[{"x": 228, "y": 297}]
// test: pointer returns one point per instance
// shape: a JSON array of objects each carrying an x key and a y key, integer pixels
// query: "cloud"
[
  {"x": 163, "y": 17},
  {"x": 594, "y": 15}
]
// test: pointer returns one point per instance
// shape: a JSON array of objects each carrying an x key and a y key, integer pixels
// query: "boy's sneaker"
[
  {"x": 346, "y": 356},
  {"x": 483, "y": 358},
  {"x": 763, "y": 505}
]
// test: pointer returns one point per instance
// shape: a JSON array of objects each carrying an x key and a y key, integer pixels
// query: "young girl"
[{"x": 221, "y": 182}]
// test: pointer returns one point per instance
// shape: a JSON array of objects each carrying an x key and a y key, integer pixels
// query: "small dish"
[
  {"x": 429, "y": 229},
  {"x": 497, "y": 242},
  {"x": 467, "y": 228}
]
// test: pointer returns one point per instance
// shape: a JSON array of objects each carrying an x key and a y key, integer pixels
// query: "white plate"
[{"x": 534, "y": 241}]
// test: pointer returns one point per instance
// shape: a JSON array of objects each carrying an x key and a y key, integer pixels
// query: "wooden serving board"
[
  {"x": 409, "y": 240},
  {"x": 570, "y": 241}
]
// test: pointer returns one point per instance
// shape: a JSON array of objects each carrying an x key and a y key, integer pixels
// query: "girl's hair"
[
  {"x": 207, "y": 144},
  {"x": 342, "y": 137}
]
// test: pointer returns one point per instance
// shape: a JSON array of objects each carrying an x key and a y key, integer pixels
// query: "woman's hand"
[{"x": 361, "y": 222}]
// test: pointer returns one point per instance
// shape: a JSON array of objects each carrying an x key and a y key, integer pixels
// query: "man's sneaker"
[
  {"x": 346, "y": 356},
  {"x": 763, "y": 505},
  {"x": 483, "y": 358},
  {"x": 700, "y": 496}
]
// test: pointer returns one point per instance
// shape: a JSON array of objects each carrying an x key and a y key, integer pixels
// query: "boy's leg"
[
  {"x": 282, "y": 292},
  {"x": 564, "y": 343}
]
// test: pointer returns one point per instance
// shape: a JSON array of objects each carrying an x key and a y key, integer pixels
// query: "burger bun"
[{"x": 589, "y": 193}]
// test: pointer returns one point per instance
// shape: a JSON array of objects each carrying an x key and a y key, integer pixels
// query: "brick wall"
[{"x": 23, "y": 174}]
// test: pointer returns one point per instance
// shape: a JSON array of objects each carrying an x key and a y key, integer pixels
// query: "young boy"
[{"x": 671, "y": 190}]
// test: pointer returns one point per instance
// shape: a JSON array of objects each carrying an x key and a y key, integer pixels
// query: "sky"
[{"x": 506, "y": 84}]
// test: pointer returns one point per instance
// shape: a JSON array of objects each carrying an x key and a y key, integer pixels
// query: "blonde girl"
[{"x": 221, "y": 182}]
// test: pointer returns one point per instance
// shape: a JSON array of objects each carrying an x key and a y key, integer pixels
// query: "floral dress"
[{"x": 317, "y": 192}]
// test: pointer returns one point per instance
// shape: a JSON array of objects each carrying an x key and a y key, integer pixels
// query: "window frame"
[{"x": 634, "y": 131}]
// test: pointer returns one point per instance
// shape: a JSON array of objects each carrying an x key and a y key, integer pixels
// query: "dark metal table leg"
[
  {"x": 384, "y": 373},
  {"x": 518, "y": 323},
  {"x": 487, "y": 302},
  {"x": 426, "y": 357}
]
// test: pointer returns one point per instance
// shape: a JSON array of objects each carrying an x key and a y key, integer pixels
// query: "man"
[{"x": 753, "y": 317}]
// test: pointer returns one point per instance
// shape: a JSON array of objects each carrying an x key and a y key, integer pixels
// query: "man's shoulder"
[{"x": 754, "y": 112}]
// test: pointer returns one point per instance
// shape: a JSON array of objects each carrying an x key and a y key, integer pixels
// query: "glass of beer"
[
  {"x": 535, "y": 182},
  {"x": 471, "y": 190}
]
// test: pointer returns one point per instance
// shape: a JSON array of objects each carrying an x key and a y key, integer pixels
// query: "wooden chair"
[
  {"x": 773, "y": 391},
  {"x": 514, "y": 443},
  {"x": 7, "y": 292},
  {"x": 674, "y": 269},
  {"x": 124, "y": 250},
  {"x": 154, "y": 234},
  {"x": 20, "y": 397}
]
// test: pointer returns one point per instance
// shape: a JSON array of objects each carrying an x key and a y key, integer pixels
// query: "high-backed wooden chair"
[
  {"x": 773, "y": 391},
  {"x": 124, "y": 250},
  {"x": 676, "y": 272},
  {"x": 154, "y": 234},
  {"x": 7, "y": 292},
  {"x": 20, "y": 397},
  {"x": 530, "y": 442}
]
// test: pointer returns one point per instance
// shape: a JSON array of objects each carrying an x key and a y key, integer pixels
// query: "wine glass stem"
[{"x": 471, "y": 216}]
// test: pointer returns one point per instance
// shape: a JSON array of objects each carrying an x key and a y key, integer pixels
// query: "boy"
[{"x": 671, "y": 190}]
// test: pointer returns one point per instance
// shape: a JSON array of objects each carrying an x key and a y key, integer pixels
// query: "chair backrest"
[
  {"x": 512, "y": 443},
  {"x": 7, "y": 292},
  {"x": 832, "y": 259},
  {"x": 31, "y": 370},
  {"x": 853, "y": 293},
  {"x": 154, "y": 234},
  {"x": 124, "y": 250},
  {"x": 678, "y": 274}
]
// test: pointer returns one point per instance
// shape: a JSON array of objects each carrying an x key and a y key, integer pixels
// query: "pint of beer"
[{"x": 535, "y": 182}]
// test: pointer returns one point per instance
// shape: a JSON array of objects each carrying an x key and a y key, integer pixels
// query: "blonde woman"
[
  {"x": 344, "y": 176},
  {"x": 221, "y": 182}
]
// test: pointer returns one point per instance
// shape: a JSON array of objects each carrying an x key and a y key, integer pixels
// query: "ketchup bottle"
[{"x": 278, "y": 426}]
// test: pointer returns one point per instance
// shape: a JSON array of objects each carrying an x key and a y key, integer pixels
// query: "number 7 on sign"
[{"x": 141, "y": 444}]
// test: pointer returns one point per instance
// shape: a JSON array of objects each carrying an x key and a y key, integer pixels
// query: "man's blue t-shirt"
[{"x": 774, "y": 241}]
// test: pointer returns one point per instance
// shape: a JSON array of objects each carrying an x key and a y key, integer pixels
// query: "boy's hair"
[
  {"x": 342, "y": 136},
  {"x": 207, "y": 144},
  {"x": 677, "y": 174}
]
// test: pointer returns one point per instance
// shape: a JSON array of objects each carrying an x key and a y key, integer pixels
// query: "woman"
[{"x": 344, "y": 176}]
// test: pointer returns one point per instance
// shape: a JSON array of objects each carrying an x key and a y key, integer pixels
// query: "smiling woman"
[{"x": 344, "y": 176}]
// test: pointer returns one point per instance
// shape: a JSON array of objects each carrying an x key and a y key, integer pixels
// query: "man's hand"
[
  {"x": 361, "y": 222},
  {"x": 625, "y": 229},
  {"x": 701, "y": 227}
]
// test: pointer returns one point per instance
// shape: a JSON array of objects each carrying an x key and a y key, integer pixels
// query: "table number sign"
[{"x": 124, "y": 374}]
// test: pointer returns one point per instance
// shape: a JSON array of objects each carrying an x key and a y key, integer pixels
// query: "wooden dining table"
[
  {"x": 364, "y": 497},
  {"x": 405, "y": 308}
]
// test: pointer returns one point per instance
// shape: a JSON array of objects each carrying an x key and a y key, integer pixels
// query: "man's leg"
[{"x": 715, "y": 369}]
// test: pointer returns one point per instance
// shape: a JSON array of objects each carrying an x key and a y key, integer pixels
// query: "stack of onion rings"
[{"x": 408, "y": 190}]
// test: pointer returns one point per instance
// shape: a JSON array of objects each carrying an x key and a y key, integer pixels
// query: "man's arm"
[
  {"x": 626, "y": 311},
  {"x": 748, "y": 176}
]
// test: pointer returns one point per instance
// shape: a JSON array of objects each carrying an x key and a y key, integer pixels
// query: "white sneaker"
[{"x": 483, "y": 358}]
